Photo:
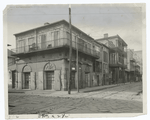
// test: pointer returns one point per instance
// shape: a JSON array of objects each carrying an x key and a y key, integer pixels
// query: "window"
[
  {"x": 105, "y": 56},
  {"x": 73, "y": 38},
  {"x": 56, "y": 38},
  {"x": 98, "y": 66},
  {"x": 89, "y": 47},
  {"x": 68, "y": 35},
  {"x": 73, "y": 41},
  {"x": 31, "y": 41},
  {"x": 20, "y": 46},
  {"x": 42, "y": 41},
  {"x": 80, "y": 44},
  {"x": 93, "y": 66},
  {"x": 103, "y": 67},
  {"x": 120, "y": 74}
]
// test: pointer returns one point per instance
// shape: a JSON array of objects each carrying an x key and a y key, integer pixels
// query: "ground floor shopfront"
[
  {"x": 53, "y": 75},
  {"x": 118, "y": 75}
]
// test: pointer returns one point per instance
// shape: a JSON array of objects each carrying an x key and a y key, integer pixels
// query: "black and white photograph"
[{"x": 70, "y": 59}]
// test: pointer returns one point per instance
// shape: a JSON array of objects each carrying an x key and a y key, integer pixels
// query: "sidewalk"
[
  {"x": 96, "y": 88},
  {"x": 17, "y": 91},
  {"x": 65, "y": 93},
  {"x": 60, "y": 93}
]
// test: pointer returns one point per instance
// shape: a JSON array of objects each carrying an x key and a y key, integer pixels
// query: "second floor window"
[
  {"x": 31, "y": 41},
  {"x": 55, "y": 38},
  {"x": 20, "y": 46},
  {"x": 20, "y": 43},
  {"x": 105, "y": 56}
]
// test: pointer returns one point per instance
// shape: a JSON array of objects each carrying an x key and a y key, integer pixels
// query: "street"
[{"x": 124, "y": 98}]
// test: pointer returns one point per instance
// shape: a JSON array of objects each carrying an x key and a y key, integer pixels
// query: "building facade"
[
  {"x": 102, "y": 64},
  {"x": 131, "y": 65},
  {"x": 42, "y": 59},
  {"x": 43, "y": 54},
  {"x": 118, "y": 57},
  {"x": 11, "y": 69},
  {"x": 138, "y": 65}
]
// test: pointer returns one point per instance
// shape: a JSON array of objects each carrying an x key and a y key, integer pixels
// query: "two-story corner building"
[
  {"x": 102, "y": 65},
  {"x": 43, "y": 54},
  {"x": 11, "y": 69},
  {"x": 130, "y": 65},
  {"x": 119, "y": 62}
]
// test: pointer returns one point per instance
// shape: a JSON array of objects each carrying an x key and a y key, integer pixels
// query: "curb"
[
  {"x": 15, "y": 91},
  {"x": 98, "y": 89}
]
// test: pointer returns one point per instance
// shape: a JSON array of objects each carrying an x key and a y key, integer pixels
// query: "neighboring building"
[
  {"x": 130, "y": 65},
  {"x": 134, "y": 65},
  {"x": 118, "y": 56},
  {"x": 11, "y": 69},
  {"x": 103, "y": 64},
  {"x": 43, "y": 54},
  {"x": 138, "y": 65},
  {"x": 140, "y": 60}
]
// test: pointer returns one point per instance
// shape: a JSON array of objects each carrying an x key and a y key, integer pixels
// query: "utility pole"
[
  {"x": 77, "y": 64},
  {"x": 70, "y": 53}
]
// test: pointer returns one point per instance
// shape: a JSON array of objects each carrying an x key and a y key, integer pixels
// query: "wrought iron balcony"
[{"x": 62, "y": 42}]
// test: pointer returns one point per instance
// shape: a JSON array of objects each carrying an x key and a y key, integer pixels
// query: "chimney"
[
  {"x": 106, "y": 35},
  {"x": 46, "y": 23}
]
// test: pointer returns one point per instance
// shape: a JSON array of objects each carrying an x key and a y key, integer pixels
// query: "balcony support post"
[{"x": 70, "y": 53}]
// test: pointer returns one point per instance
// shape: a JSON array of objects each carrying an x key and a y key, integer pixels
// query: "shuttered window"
[{"x": 105, "y": 56}]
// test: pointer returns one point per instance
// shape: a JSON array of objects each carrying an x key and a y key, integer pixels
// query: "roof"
[
  {"x": 50, "y": 24},
  {"x": 115, "y": 36},
  {"x": 101, "y": 44},
  {"x": 9, "y": 53},
  {"x": 104, "y": 45}
]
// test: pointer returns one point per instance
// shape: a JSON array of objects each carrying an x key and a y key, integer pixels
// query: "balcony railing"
[{"x": 55, "y": 44}]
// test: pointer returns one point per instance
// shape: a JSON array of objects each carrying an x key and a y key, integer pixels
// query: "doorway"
[
  {"x": 73, "y": 80},
  {"x": 87, "y": 80},
  {"x": 13, "y": 79},
  {"x": 103, "y": 79},
  {"x": 97, "y": 80},
  {"x": 26, "y": 80},
  {"x": 49, "y": 80}
]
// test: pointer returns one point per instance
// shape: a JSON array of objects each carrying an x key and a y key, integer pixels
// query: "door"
[
  {"x": 49, "y": 80},
  {"x": 43, "y": 41},
  {"x": 97, "y": 80},
  {"x": 13, "y": 79},
  {"x": 20, "y": 46},
  {"x": 103, "y": 79},
  {"x": 27, "y": 78},
  {"x": 56, "y": 38},
  {"x": 87, "y": 78},
  {"x": 73, "y": 80},
  {"x": 127, "y": 77}
]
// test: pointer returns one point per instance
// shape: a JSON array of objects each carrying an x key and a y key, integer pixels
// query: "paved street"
[{"x": 124, "y": 98}]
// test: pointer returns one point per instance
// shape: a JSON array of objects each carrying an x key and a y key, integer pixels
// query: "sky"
[{"x": 126, "y": 20}]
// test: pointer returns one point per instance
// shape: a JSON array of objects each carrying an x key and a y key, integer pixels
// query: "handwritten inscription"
[{"x": 44, "y": 115}]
